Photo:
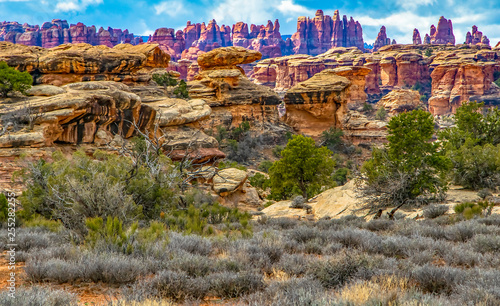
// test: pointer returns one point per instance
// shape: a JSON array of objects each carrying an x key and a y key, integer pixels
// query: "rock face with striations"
[
  {"x": 318, "y": 34},
  {"x": 82, "y": 62},
  {"x": 317, "y": 104},
  {"x": 95, "y": 112},
  {"x": 232, "y": 96}
]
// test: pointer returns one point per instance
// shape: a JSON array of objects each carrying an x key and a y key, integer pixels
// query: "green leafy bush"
[
  {"x": 410, "y": 166},
  {"x": 259, "y": 180},
  {"x": 469, "y": 210},
  {"x": 332, "y": 138},
  {"x": 381, "y": 113},
  {"x": 181, "y": 90},
  {"x": 13, "y": 80},
  {"x": 303, "y": 169},
  {"x": 473, "y": 146},
  {"x": 164, "y": 79},
  {"x": 265, "y": 165}
]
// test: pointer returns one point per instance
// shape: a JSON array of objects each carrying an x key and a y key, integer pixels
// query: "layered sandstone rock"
[
  {"x": 232, "y": 96},
  {"x": 82, "y": 62},
  {"x": 317, "y": 104},
  {"x": 95, "y": 112},
  {"x": 462, "y": 76},
  {"x": 400, "y": 100},
  {"x": 170, "y": 41},
  {"x": 318, "y": 34},
  {"x": 228, "y": 181}
]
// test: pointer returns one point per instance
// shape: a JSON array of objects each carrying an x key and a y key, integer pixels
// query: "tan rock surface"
[
  {"x": 317, "y": 104},
  {"x": 228, "y": 181},
  {"x": 227, "y": 57},
  {"x": 400, "y": 99}
]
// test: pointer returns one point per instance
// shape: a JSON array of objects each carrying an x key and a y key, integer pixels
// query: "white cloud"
[
  {"x": 257, "y": 11},
  {"x": 171, "y": 8},
  {"x": 287, "y": 7},
  {"x": 413, "y": 4},
  {"x": 75, "y": 5}
]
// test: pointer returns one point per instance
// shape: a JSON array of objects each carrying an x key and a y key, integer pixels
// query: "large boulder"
[
  {"x": 227, "y": 57},
  {"x": 400, "y": 100},
  {"x": 317, "y": 104},
  {"x": 228, "y": 181}
]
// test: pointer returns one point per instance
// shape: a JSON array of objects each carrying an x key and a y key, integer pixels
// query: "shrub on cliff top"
[{"x": 13, "y": 80}]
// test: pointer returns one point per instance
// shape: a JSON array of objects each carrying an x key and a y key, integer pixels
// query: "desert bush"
[
  {"x": 437, "y": 280},
  {"x": 293, "y": 292},
  {"x": 37, "y": 295},
  {"x": 303, "y": 234},
  {"x": 335, "y": 272},
  {"x": 232, "y": 285},
  {"x": 282, "y": 223},
  {"x": 190, "y": 243},
  {"x": 332, "y": 138},
  {"x": 294, "y": 264},
  {"x": 435, "y": 211},
  {"x": 28, "y": 239},
  {"x": 177, "y": 286},
  {"x": 379, "y": 225},
  {"x": 181, "y": 90},
  {"x": 484, "y": 193},
  {"x": 381, "y": 113},
  {"x": 298, "y": 202},
  {"x": 486, "y": 243}
]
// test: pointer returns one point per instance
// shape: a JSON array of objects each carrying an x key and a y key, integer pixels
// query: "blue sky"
[{"x": 143, "y": 17}]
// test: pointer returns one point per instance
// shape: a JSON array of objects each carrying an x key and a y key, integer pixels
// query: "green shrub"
[
  {"x": 164, "y": 79},
  {"x": 265, "y": 165},
  {"x": 367, "y": 107},
  {"x": 428, "y": 52},
  {"x": 332, "y": 138},
  {"x": 4, "y": 208},
  {"x": 181, "y": 90},
  {"x": 303, "y": 169},
  {"x": 41, "y": 222},
  {"x": 240, "y": 130},
  {"x": 469, "y": 210},
  {"x": 259, "y": 180},
  {"x": 108, "y": 185},
  {"x": 381, "y": 113},
  {"x": 340, "y": 176},
  {"x": 200, "y": 220},
  {"x": 224, "y": 164},
  {"x": 395, "y": 175},
  {"x": 277, "y": 151},
  {"x": 13, "y": 80}
]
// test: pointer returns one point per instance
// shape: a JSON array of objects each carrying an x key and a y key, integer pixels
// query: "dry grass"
[{"x": 385, "y": 289}]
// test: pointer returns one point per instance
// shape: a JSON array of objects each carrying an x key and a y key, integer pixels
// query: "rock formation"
[
  {"x": 233, "y": 98},
  {"x": 82, "y": 62},
  {"x": 467, "y": 75},
  {"x": 317, "y": 104},
  {"x": 103, "y": 112},
  {"x": 400, "y": 100},
  {"x": 169, "y": 41},
  {"x": 318, "y": 34},
  {"x": 416, "y": 37},
  {"x": 443, "y": 34},
  {"x": 58, "y": 32},
  {"x": 476, "y": 38},
  {"x": 382, "y": 39}
]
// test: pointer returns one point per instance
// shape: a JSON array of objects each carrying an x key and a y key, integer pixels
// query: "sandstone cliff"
[
  {"x": 232, "y": 96},
  {"x": 82, "y": 62}
]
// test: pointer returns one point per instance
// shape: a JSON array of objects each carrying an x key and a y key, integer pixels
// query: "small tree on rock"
[
  {"x": 13, "y": 80},
  {"x": 303, "y": 168}
]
